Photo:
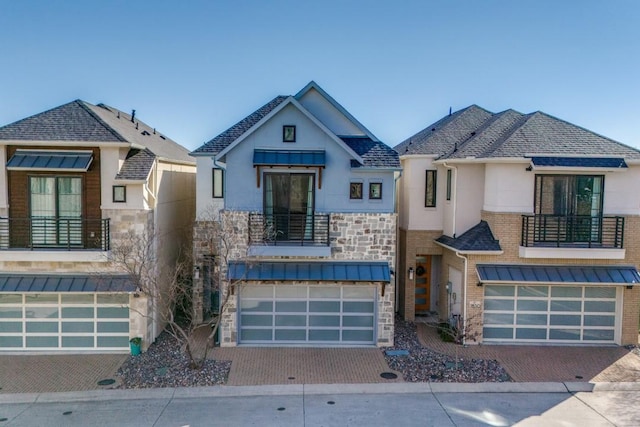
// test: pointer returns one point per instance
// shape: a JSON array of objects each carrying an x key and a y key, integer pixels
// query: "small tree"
[{"x": 459, "y": 332}]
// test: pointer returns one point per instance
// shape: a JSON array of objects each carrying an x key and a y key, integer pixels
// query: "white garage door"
[
  {"x": 307, "y": 315},
  {"x": 64, "y": 321},
  {"x": 558, "y": 314}
]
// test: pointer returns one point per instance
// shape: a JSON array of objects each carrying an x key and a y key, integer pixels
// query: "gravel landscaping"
[
  {"x": 164, "y": 364},
  {"x": 423, "y": 364}
]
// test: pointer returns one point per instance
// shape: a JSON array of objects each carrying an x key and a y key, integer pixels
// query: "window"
[
  {"x": 355, "y": 190},
  {"x": 375, "y": 190},
  {"x": 119, "y": 194},
  {"x": 56, "y": 210},
  {"x": 430, "y": 189},
  {"x": 289, "y": 205},
  {"x": 449, "y": 178},
  {"x": 217, "y": 183},
  {"x": 288, "y": 133}
]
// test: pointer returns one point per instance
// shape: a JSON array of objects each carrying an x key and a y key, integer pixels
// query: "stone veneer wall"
[{"x": 357, "y": 236}]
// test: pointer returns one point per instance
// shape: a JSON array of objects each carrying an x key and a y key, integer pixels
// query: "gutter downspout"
[
  {"x": 454, "y": 178},
  {"x": 464, "y": 299},
  {"x": 395, "y": 276}
]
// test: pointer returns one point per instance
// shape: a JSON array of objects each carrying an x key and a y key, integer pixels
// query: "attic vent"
[
  {"x": 433, "y": 129},
  {"x": 473, "y": 133},
  {"x": 161, "y": 136},
  {"x": 145, "y": 133},
  {"x": 136, "y": 125}
]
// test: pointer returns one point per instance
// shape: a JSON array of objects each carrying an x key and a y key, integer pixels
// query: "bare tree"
[{"x": 460, "y": 332}]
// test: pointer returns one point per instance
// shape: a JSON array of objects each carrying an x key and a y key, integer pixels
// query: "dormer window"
[{"x": 288, "y": 133}]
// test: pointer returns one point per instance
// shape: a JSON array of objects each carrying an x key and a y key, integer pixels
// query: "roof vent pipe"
[{"x": 133, "y": 115}]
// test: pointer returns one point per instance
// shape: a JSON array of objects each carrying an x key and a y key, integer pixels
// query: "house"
[
  {"x": 520, "y": 228},
  {"x": 74, "y": 181},
  {"x": 323, "y": 186}
]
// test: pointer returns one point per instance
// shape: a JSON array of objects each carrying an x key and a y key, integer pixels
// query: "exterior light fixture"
[{"x": 410, "y": 273}]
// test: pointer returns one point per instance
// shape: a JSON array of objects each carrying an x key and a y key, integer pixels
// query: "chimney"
[{"x": 133, "y": 115}]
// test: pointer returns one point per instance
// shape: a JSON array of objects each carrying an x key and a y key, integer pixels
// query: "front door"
[{"x": 423, "y": 283}]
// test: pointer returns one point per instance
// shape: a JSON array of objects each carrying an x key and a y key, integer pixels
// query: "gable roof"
[
  {"x": 477, "y": 238},
  {"x": 137, "y": 165},
  {"x": 373, "y": 153},
  {"x": 475, "y": 132}
]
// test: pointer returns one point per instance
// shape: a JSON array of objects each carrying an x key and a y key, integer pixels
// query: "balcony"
[
  {"x": 573, "y": 232},
  {"x": 47, "y": 234},
  {"x": 289, "y": 230}
]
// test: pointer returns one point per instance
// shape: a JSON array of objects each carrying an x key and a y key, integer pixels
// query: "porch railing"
[
  {"x": 42, "y": 233},
  {"x": 289, "y": 229},
  {"x": 573, "y": 231}
]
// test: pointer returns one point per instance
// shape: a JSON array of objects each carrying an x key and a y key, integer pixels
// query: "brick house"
[
  {"x": 522, "y": 226},
  {"x": 306, "y": 169},
  {"x": 73, "y": 181}
]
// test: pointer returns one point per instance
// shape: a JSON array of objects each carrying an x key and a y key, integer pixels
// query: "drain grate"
[
  {"x": 107, "y": 381},
  {"x": 388, "y": 375}
]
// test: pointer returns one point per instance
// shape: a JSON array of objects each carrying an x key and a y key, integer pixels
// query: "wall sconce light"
[
  {"x": 196, "y": 272},
  {"x": 410, "y": 273},
  {"x": 529, "y": 168},
  {"x": 629, "y": 286},
  {"x": 479, "y": 284}
]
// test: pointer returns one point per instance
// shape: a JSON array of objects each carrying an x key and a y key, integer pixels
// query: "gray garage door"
[
  {"x": 307, "y": 315},
  {"x": 64, "y": 321},
  {"x": 558, "y": 314}
]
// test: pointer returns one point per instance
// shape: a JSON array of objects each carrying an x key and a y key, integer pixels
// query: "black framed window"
[
  {"x": 430, "y": 189},
  {"x": 288, "y": 133},
  {"x": 449, "y": 184},
  {"x": 375, "y": 190},
  {"x": 217, "y": 183},
  {"x": 355, "y": 190},
  {"x": 119, "y": 194}
]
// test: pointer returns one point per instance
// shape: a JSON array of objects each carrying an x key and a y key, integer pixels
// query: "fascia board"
[{"x": 468, "y": 252}]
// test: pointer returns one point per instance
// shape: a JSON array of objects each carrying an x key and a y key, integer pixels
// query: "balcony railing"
[
  {"x": 289, "y": 229},
  {"x": 41, "y": 233},
  {"x": 579, "y": 231}
]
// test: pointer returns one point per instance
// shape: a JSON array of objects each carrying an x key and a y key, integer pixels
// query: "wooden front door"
[{"x": 423, "y": 283}]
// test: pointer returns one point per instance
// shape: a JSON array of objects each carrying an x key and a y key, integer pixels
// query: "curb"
[{"x": 315, "y": 389}]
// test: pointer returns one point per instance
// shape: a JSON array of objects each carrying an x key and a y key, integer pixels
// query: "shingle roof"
[
  {"x": 373, "y": 153},
  {"x": 137, "y": 165},
  {"x": 475, "y": 132},
  {"x": 227, "y": 137},
  {"x": 74, "y": 121},
  {"x": 477, "y": 238}
]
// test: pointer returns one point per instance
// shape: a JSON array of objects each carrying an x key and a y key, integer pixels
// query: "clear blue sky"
[{"x": 193, "y": 68}]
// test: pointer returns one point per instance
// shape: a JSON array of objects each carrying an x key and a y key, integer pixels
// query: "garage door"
[
  {"x": 558, "y": 314},
  {"x": 64, "y": 321},
  {"x": 307, "y": 315}
]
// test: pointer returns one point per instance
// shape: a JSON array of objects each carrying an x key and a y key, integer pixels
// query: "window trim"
[
  {"x": 124, "y": 193},
  {"x": 434, "y": 186},
  {"x": 449, "y": 179},
  {"x": 353, "y": 195},
  {"x": 215, "y": 195},
  {"x": 371, "y": 191}
]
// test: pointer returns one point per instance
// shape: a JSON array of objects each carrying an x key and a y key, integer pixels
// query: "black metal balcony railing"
[
  {"x": 289, "y": 229},
  {"x": 40, "y": 233},
  {"x": 579, "y": 231}
]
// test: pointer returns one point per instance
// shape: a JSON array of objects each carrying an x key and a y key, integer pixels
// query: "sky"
[{"x": 194, "y": 68}]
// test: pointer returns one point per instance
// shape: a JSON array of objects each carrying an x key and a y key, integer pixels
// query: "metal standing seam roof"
[
  {"x": 289, "y": 157},
  {"x": 65, "y": 283},
  {"x": 573, "y": 274},
  {"x": 585, "y": 162},
  {"x": 50, "y": 160},
  {"x": 374, "y": 271}
]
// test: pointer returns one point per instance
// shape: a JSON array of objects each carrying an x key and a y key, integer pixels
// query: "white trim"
[
  {"x": 571, "y": 253},
  {"x": 53, "y": 256}
]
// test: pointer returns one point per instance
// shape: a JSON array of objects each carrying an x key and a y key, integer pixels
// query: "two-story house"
[
  {"x": 74, "y": 181},
  {"x": 323, "y": 186},
  {"x": 523, "y": 226}
]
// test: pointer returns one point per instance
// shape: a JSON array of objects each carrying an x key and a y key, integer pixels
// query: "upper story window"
[
  {"x": 355, "y": 190},
  {"x": 375, "y": 190},
  {"x": 449, "y": 178},
  {"x": 55, "y": 210},
  {"x": 288, "y": 133},
  {"x": 430, "y": 189},
  {"x": 289, "y": 205},
  {"x": 217, "y": 183},
  {"x": 119, "y": 194},
  {"x": 569, "y": 195}
]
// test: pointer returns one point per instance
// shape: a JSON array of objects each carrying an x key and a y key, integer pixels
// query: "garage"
[
  {"x": 309, "y": 304},
  {"x": 36, "y": 320},
  {"x": 527, "y": 304}
]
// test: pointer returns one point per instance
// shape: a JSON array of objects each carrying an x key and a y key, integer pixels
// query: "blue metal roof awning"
[
  {"x": 558, "y": 274},
  {"x": 288, "y": 158},
  {"x": 50, "y": 160},
  {"x": 580, "y": 162},
  {"x": 374, "y": 271},
  {"x": 65, "y": 283}
]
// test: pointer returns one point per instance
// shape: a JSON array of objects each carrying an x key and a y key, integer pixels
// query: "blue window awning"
[
  {"x": 310, "y": 271},
  {"x": 580, "y": 162},
  {"x": 65, "y": 283},
  {"x": 555, "y": 274},
  {"x": 73, "y": 161},
  {"x": 289, "y": 158}
]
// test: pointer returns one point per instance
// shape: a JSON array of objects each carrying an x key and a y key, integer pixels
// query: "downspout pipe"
[
  {"x": 454, "y": 178},
  {"x": 395, "y": 276},
  {"x": 464, "y": 299}
]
